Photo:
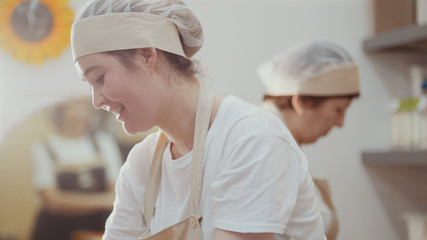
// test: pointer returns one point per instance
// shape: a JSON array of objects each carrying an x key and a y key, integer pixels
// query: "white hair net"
[
  {"x": 189, "y": 27},
  {"x": 302, "y": 63}
]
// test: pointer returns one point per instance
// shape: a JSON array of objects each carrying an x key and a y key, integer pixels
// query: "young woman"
[
  {"x": 215, "y": 169},
  {"x": 310, "y": 87}
]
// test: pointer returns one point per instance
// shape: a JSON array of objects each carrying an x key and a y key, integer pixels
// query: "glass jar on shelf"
[{"x": 409, "y": 124}]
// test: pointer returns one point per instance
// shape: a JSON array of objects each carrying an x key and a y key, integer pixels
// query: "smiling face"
[
  {"x": 130, "y": 94},
  {"x": 317, "y": 121}
]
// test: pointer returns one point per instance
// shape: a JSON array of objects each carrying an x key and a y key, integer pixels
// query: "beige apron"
[
  {"x": 189, "y": 228},
  {"x": 325, "y": 191}
]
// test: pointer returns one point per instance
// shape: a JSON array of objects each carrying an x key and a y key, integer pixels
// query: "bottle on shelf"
[{"x": 409, "y": 115}]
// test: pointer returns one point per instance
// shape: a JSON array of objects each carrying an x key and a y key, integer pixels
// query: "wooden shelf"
[
  {"x": 411, "y": 38},
  {"x": 401, "y": 158}
]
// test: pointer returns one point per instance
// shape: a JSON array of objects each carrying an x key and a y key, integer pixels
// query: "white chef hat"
[
  {"x": 107, "y": 25},
  {"x": 316, "y": 68}
]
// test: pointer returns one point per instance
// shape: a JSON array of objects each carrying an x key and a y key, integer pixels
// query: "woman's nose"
[
  {"x": 340, "y": 120},
  {"x": 98, "y": 99}
]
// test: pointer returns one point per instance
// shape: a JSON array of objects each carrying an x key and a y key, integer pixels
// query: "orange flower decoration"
[{"x": 34, "y": 30}]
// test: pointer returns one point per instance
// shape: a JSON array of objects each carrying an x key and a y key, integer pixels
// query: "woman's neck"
[
  {"x": 72, "y": 132},
  {"x": 178, "y": 118},
  {"x": 179, "y": 121},
  {"x": 290, "y": 118},
  {"x": 287, "y": 116}
]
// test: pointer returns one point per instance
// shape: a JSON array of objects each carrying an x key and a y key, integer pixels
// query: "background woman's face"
[
  {"x": 319, "y": 120},
  {"x": 78, "y": 115}
]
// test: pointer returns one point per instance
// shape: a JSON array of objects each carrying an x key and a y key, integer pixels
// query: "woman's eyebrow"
[{"x": 87, "y": 71}]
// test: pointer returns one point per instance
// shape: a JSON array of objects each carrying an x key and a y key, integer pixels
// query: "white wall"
[{"x": 240, "y": 34}]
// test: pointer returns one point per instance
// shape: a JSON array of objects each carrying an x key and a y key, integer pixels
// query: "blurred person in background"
[
  {"x": 309, "y": 87},
  {"x": 74, "y": 172}
]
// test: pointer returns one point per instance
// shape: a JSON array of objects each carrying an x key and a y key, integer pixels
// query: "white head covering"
[
  {"x": 106, "y": 25},
  {"x": 318, "y": 68}
]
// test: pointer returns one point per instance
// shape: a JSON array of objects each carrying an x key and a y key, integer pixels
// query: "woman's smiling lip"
[{"x": 117, "y": 111}]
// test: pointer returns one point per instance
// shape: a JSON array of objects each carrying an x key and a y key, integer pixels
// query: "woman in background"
[
  {"x": 310, "y": 87},
  {"x": 74, "y": 171}
]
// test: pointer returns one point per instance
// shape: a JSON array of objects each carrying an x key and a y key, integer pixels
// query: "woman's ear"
[
  {"x": 148, "y": 56},
  {"x": 298, "y": 104}
]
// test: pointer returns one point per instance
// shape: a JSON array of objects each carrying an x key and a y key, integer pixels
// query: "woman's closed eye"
[{"x": 99, "y": 80}]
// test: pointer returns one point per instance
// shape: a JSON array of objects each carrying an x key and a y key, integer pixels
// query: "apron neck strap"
[
  {"x": 203, "y": 115},
  {"x": 153, "y": 183}
]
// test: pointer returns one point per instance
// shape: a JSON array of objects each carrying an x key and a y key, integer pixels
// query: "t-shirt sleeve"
[
  {"x": 257, "y": 188},
  {"x": 126, "y": 220},
  {"x": 42, "y": 167}
]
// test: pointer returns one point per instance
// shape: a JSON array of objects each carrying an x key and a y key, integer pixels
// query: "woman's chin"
[
  {"x": 129, "y": 130},
  {"x": 311, "y": 140},
  {"x": 132, "y": 130}
]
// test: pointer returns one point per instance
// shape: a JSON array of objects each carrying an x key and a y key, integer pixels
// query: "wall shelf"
[
  {"x": 398, "y": 158},
  {"x": 412, "y": 38}
]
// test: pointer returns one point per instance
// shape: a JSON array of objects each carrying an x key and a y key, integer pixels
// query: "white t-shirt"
[
  {"x": 254, "y": 175},
  {"x": 76, "y": 151},
  {"x": 325, "y": 211}
]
